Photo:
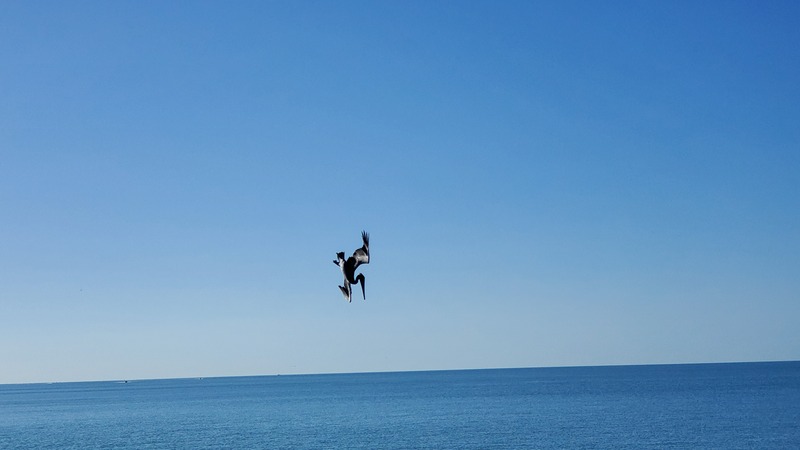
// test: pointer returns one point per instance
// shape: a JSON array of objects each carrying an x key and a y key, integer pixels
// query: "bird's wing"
[{"x": 362, "y": 255}]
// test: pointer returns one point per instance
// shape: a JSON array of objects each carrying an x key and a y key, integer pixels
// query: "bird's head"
[{"x": 340, "y": 255}]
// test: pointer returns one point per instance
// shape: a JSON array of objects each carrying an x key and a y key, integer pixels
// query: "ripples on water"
[{"x": 749, "y": 405}]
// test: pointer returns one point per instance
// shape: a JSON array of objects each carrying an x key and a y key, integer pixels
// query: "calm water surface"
[{"x": 748, "y": 405}]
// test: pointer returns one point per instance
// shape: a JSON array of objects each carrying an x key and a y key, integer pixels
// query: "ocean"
[{"x": 721, "y": 406}]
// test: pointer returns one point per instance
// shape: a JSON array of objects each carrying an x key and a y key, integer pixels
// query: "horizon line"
[{"x": 129, "y": 380}]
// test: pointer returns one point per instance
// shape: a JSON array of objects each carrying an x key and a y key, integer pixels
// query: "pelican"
[{"x": 349, "y": 266}]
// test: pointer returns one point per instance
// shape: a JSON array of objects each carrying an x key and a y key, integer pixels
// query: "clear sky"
[{"x": 545, "y": 183}]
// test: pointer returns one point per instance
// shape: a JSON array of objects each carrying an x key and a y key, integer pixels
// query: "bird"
[{"x": 349, "y": 266}]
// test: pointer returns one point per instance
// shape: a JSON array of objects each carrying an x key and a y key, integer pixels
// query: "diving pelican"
[{"x": 349, "y": 266}]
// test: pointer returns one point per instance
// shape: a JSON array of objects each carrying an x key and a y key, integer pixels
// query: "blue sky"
[{"x": 545, "y": 183}]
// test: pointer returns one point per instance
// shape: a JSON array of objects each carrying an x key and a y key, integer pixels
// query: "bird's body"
[{"x": 349, "y": 266}]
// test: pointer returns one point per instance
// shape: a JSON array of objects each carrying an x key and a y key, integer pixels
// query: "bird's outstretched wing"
[{"x": 362, "y": 254}]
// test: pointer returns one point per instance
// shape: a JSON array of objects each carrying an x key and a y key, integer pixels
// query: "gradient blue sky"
[{"x": 545, "y": 183}]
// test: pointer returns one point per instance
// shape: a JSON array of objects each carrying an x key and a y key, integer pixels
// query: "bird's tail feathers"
[{"x": 345, "y": 293}]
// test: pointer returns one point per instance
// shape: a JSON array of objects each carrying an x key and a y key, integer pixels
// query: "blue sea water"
[{"x": 743, "y": 405}]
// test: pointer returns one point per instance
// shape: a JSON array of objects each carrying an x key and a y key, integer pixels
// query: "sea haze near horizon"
[{"x": 721, "y": 405}]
